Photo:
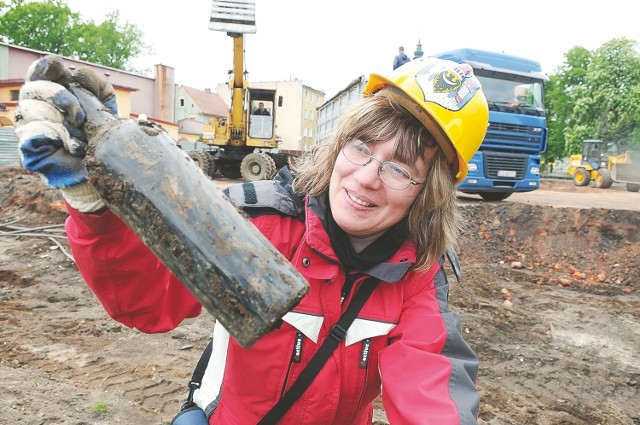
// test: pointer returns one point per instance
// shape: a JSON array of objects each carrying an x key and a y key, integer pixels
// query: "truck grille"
[
  {"x": 514, "y": 138},
  {"x": 502, "y": 166}
]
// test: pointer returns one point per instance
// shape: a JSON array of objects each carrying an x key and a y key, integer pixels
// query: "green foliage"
[
  {"x": 100, "y": 407},
  {"x": 594, "y": 95},
  {"x": 50, "y": 26}
]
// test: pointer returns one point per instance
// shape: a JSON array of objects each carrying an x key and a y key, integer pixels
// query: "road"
[{"x": 561, "y": 193}]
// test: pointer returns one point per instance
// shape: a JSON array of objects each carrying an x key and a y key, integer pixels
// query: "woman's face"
[{"x": 364, "y": 206}]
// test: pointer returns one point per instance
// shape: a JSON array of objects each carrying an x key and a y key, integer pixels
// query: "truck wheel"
[
  {"x": 633, "y": 187},
  {"x": 494, "y": 196},
  {"x": 582, "y": 177},
  {"x": 603, "y": 179},
  {"x": 204, "y": 162},
  {"x": 257, "y": 166}
]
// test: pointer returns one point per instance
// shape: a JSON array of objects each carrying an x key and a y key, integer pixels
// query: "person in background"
[
  {"x": 261, "y": 110},
  {"x": 401, "y": 58},
  {"x": 376, "y": 205}
]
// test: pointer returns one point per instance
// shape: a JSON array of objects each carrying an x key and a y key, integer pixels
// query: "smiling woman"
[{"x": 367, "y": 222}]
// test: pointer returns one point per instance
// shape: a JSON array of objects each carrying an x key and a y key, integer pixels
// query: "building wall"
[
  {"x": 190, "y": 131},
  {"x": 134, "y": 94},
  {"x": 312, "y": 99},
  {"x": 164, "y": 94},
  {"x": 153, "y": 97},
  {"x": 190, "y": 110},
  {"x": 7, "y": 104},
  {"x": 329, "y": 112}
]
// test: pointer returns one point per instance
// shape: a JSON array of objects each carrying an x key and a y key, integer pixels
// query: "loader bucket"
[
  {"x": 233, "y": 16},
  {"x": 626, "y": 173}
]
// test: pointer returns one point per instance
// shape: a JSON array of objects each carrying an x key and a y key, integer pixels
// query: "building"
[
  {"x": 418, "y": 53},
  {"x": 329, "y": 112},
  {"x": 181, "y": 110},
  {"x": 135, "y": 94},
  {"x": 194, "y": 109}
]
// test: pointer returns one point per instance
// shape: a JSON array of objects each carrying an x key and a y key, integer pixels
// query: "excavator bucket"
[{"x": 233, "y": 16}]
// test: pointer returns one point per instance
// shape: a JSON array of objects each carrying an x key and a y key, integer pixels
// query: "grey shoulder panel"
[{"x": 455, "y": 264}]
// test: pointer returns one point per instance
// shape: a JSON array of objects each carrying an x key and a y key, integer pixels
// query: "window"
[
  {"x": 15, "y": 95},
  {"x": 182, "y": 102}
]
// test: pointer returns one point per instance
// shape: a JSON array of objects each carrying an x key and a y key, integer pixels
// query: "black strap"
[
  {"x": 337, "y": 334},
  {"x": 198, "y": 374}
]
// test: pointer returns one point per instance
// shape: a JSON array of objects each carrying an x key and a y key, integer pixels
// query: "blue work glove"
[{"x": 48, "y": 120}]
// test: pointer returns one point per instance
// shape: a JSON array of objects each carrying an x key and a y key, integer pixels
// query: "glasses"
[{"x": 393, "y": 175}]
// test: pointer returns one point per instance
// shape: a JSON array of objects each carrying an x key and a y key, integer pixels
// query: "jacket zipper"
[
  {"x": 296, "y": 357},
  {"x": 365, "y": 369},
  {"x": 347, "y": 288}
]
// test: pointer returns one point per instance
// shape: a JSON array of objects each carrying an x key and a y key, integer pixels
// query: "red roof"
[{"x": 208, "y": 102}]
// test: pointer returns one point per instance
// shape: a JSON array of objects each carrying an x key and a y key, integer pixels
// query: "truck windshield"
[{"x": 513, "y": 96}]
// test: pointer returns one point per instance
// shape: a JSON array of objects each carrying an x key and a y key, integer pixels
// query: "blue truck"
[{"x": 508, "y": 160}]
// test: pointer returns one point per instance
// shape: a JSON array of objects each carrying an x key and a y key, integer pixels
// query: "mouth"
[{"x": 359, "y": 201}]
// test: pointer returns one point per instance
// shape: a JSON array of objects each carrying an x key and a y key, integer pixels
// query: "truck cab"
[{"x": 508, "y": 160}]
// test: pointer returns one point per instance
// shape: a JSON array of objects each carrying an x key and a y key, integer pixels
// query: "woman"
[{"x": 377, "y": 202}]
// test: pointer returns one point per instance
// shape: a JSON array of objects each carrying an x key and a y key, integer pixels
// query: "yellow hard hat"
[{"x": 447, "y": 98}]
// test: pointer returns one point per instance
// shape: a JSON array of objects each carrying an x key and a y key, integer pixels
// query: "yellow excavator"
[
  {"x": 244, "y": 144},
  {"x": 599, "y": 162}
]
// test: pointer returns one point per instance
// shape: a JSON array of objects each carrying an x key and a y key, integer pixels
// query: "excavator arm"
[
  {"x": 246, "y": 143},
  {"x": 236, "y": 18}
]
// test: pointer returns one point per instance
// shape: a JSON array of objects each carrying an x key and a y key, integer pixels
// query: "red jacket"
[{"x": 404, "y": 342}]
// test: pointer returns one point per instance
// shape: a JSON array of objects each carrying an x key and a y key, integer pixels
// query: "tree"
[
  {"x": 559, "y": 99},
  {"x": 610, "y": 100},
  {"x": 595, "y": 96},
  {"x": 52, "y": 27}
]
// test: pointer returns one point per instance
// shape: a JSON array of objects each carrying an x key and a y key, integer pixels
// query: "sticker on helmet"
[{"x": 450, "y": 87}]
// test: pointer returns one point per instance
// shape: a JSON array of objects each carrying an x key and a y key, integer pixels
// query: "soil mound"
[{"x": 549, "y": 302}]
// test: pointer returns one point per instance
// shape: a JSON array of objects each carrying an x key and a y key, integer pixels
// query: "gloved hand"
[{"x": 48, "y": 120}]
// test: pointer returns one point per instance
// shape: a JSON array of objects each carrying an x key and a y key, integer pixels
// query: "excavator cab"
[{"x": 261, "y": 118}]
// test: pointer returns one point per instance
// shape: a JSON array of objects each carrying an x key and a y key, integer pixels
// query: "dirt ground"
[{"x": 549, "y": 301}]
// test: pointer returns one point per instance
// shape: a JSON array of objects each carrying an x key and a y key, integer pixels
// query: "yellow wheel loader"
[
  {"x": 600, "y": 164},
  {"x": 244, "y": 144}
]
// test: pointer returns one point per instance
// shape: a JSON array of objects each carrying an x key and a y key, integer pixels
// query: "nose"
[{"x": 369, "y": 174}]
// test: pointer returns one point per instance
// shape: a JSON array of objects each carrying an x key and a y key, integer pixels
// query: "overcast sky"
[{"x": 328, "y": 43}]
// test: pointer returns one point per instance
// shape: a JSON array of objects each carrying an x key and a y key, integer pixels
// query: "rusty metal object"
[{"x": 166, "y": 199}]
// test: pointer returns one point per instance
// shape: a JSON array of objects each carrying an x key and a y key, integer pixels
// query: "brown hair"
[{"x": 434, "y": 217}]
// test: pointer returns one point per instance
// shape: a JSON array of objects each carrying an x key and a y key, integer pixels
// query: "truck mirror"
[{"x": 279, "y": 100}]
